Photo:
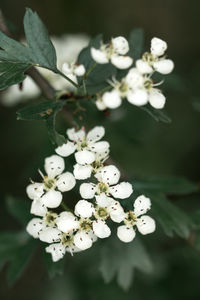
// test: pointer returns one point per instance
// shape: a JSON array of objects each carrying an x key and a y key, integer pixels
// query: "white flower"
[
  {"x": 50, "y": 235},
  {"x": 82, "y": 172},
  {"x": 86, "y": 145},
  {"x": 49, "y": 193},
  {"x": 114, "y": 52},
  {"x": 72, "y": 70},
  {"x": 144, "y": 224},
  {"x": 101, "y": 229},
  {"x": 67, "y": 222},
  {"x": 107, "y": 177}
]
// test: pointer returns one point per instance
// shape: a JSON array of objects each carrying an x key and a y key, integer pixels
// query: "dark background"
[{"x": 139, "y": 144}]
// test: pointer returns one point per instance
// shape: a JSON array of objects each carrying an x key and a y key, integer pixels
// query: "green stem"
[
  {"x": 65, "y": 206},
  {"x": 84, "y": 87},
  {"x": 90, "y": 70},
  {"x": 68, "y": 79}
]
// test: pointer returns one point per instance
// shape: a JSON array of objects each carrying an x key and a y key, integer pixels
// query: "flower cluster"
[
  {"x": 67, "y": 231},
  {"x": 137, "y": 86}
]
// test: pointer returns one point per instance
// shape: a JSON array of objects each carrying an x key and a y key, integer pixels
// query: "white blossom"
[
  {"x": 145, "y": 224},
  {"x": 108, "y": 178},
  {"x": 113, "y": 52},
  {"x": 84, "y": 209},
  {"x": 85, "y": 145},
  {"x": 56, "y": 250},
  {"x": 48, "y": 194}
]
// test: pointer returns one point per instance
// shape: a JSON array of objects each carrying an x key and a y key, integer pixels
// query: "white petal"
[
  {"x": 82, "y": 240},
  {"x": 141, "y": 205},
  {"x": 66, "y": 68},
  {"x": 158, "y": 46},
  {"x": 109, "y": 175},
  {"x": 84, "y": 157},
  {"x": 143, "y": 67},
  {"x": 52, "y": 199},
  {"x": 121, "y": 62},
  {"x": 164, "y": 66},
  {"x": 99, "y": 147},
  {"x": 112, "y": 99},
  {"x": 57, "y": 251},
  {"x": 101, "y": 229},
  {"x": 116, "y": 212},
  {"x": 38, "y": 208},
  {"x": 79, "y": 70},
  {"x": 103, "y": 201},
  {"x": 49, "y": 235},
  {"x": 84, "y": 209},
  {"x": 67, "y": 222},
  {"x": 87, "y": 190},
  {"x": 93, "y": 237},
  {"x": 76, "y": 135},
  {"x": 99, "y": 56},
  {"x": 100, "y": 104},
  {"x": 95, "y": 134},
  {"x": 66, "y": 149},
  {"x": 73, "y": 249},
  {"x": 122, "y": 190},
  {"x": 82, "y": 172},
  {"x": 35, "y": 190},
  {"x": 134, "y": 78},
  {"x": 157, "y": 99},
  {"x": 125, "y": 234},
  {"x": 54, "y": 165},
  {"x": 120, "y": 45},
  {"x": 34, "y": 226},
  {"x": 137, "y": 97},
  {"x": 146, "y": 225},
  {"x": 65, "y": 182}
]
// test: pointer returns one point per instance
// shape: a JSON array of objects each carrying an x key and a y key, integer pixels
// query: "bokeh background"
[{"x": 140, "y": 145}]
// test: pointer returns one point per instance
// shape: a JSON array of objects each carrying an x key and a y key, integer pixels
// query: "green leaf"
[
  {"x": 157, "y": 114},
  {"x": 171, "y": 218},
  {"x": 20, "y": 260},
  {"x": 19, "y": 209},
  {"x": 167, "y": 185},
  {"x": 120, "y": 260},
  {"x": 136, "y": 43},
  {"x": 54, "y": 136},
  {"x": 41, "y": 111},
  {"x": 11, "y": 73},
  {"x": 46, "y": 111},
  {"x": 196, "y": 104},
  {"x": 42, "y": 49},
  {"x": 16, "y": 58}
]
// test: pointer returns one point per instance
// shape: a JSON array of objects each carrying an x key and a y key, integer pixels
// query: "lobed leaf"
[{"x": 121, "y": 259}]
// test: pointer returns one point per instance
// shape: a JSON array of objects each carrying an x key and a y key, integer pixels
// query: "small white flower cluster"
[
  {"x": 66, "y": 231},
  {"x": 137, "y": 86}
]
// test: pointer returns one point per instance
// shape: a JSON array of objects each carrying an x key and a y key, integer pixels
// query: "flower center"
[
  {"x": 49, "y": 183},
  {"x": 130, "y": 218},
  {"x": 67, "y": 239},
  {"x": 148, "y": 84},
  {"x": 123, "y": 89},
  {"x": 101, "y": 213},
  {"x": 149, "y": 58},
  {"x": 86, "y": 225},
  {"x": 102, "y": 188},
  {"x": 82, "y": 144},
  {"x": 50, "y": 218}
]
